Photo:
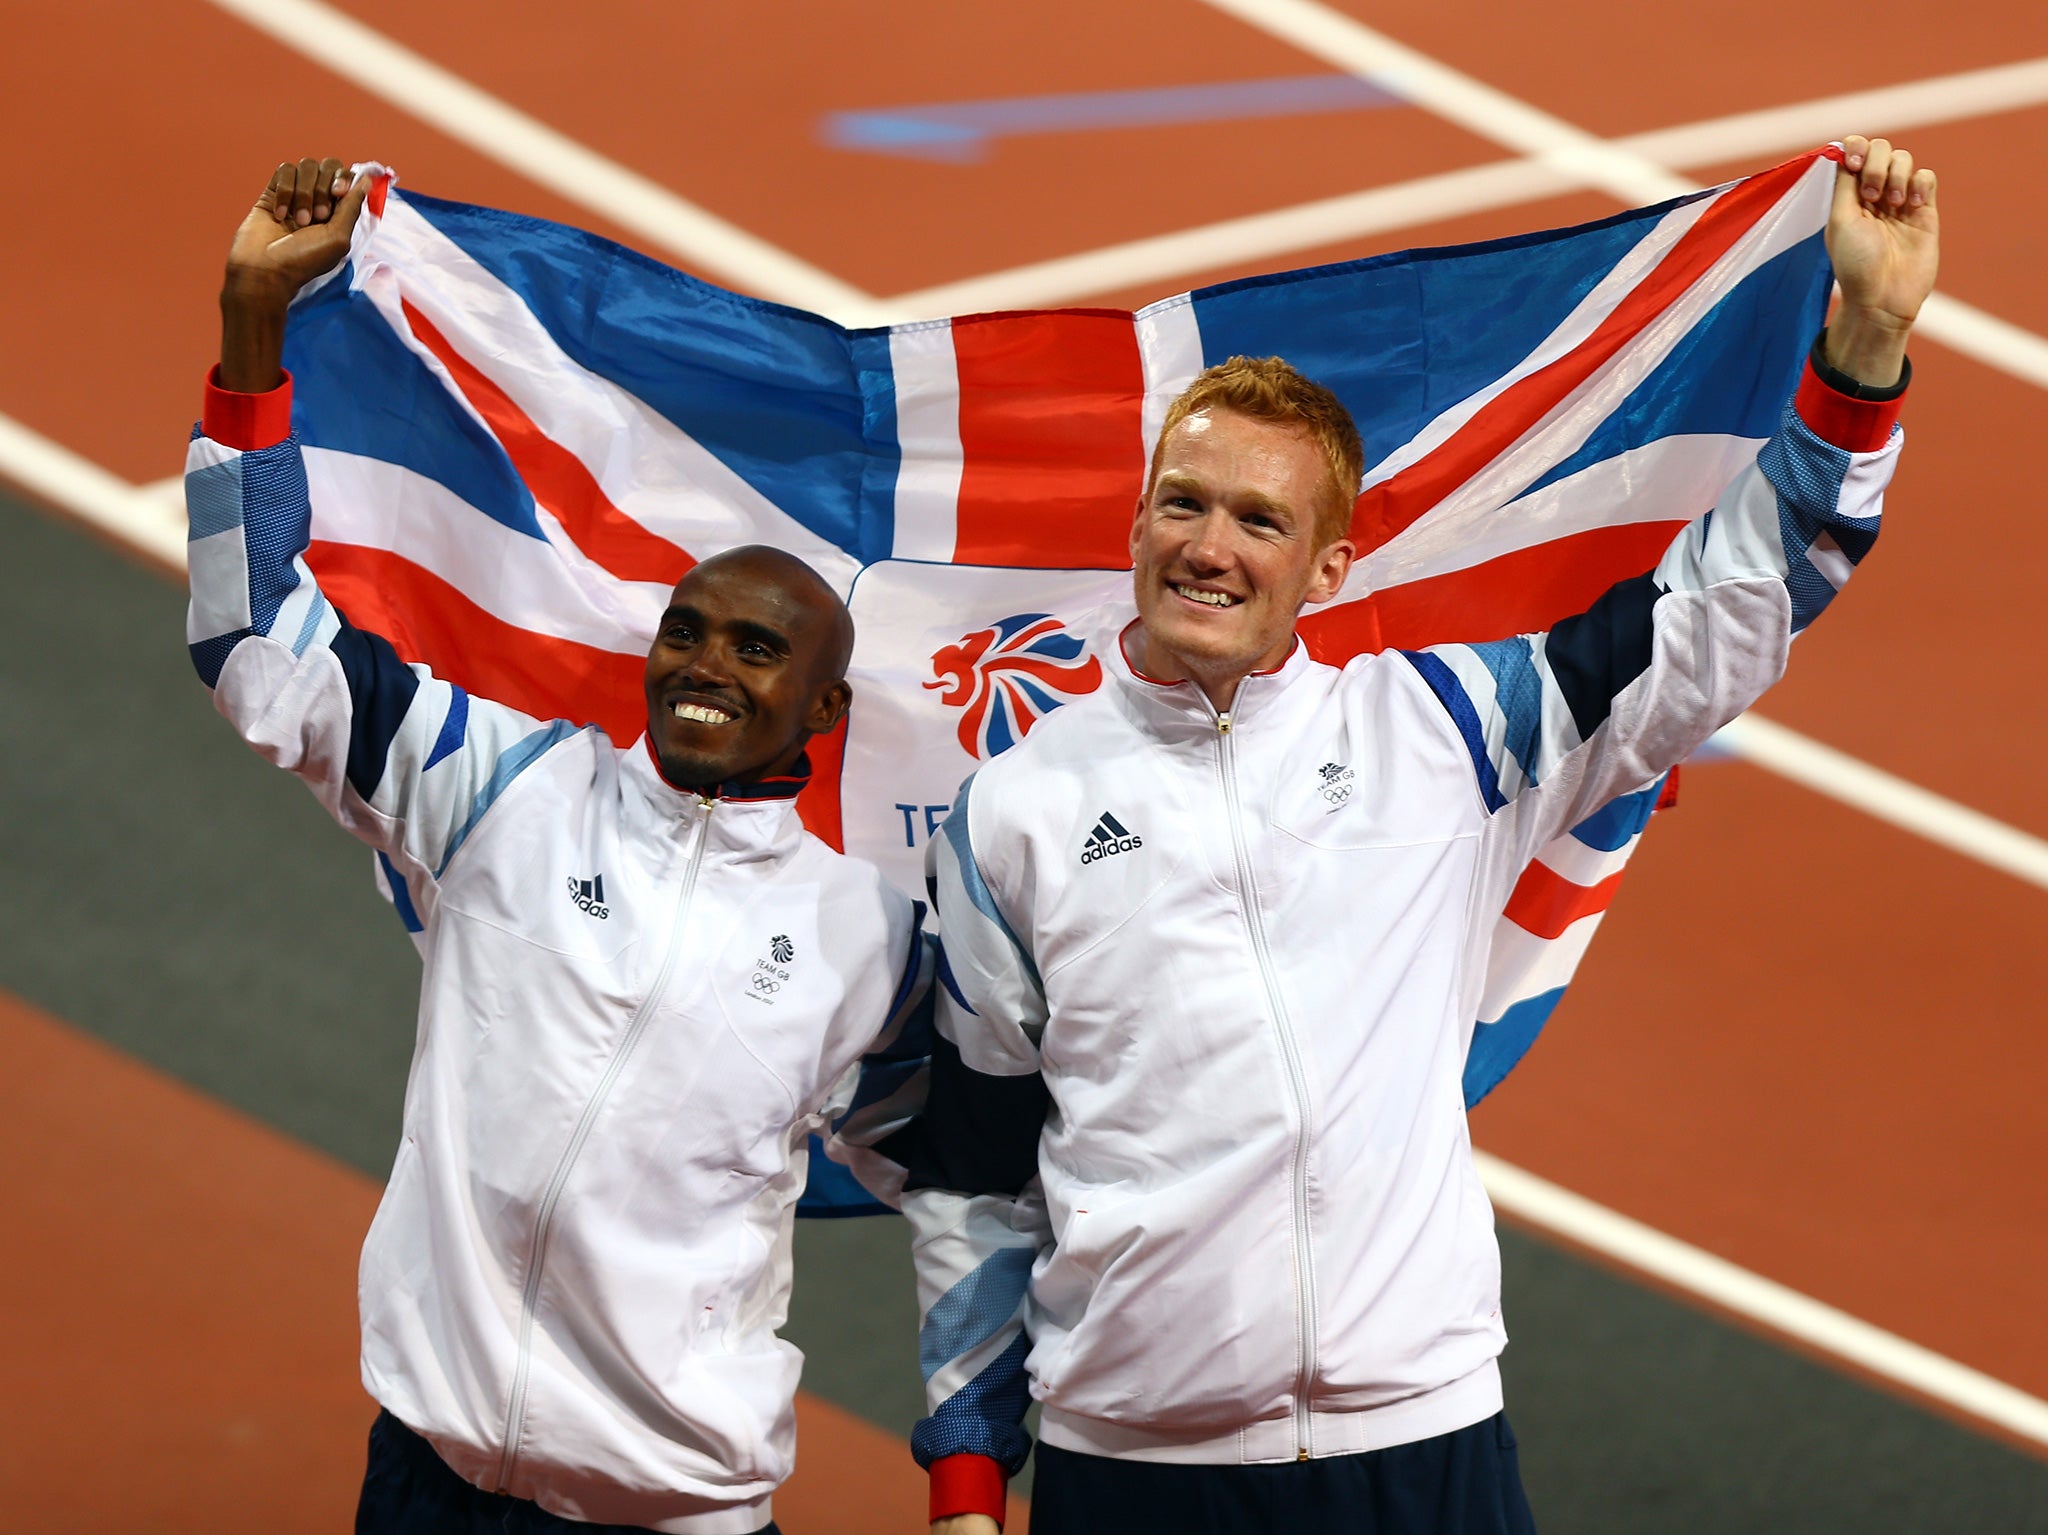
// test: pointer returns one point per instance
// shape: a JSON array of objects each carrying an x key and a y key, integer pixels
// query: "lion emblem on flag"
[{"x": 1008, "y": 676}]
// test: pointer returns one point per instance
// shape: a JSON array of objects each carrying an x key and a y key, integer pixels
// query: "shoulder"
[
  {"x": 850, "y": 885},
  {"x": 1063, "y": 743}
]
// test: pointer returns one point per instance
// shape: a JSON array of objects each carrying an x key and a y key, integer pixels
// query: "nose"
[
  {"x": 1207, "y": 550},
  {"x": 708, "y": 668}
]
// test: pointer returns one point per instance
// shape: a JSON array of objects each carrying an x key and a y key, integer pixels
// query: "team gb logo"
[{"x": 1007, "y": 677}]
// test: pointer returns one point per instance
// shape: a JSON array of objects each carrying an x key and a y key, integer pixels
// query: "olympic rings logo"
[{"x": 767, "y": 985}]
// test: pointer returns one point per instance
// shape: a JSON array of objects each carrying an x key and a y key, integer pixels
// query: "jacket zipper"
[
  {"x": 1290, "y": 1050},
  {"x": 543, "y": 1226}
]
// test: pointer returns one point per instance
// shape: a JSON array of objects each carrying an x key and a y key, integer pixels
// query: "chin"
[{"x": 1213, "y": 643}]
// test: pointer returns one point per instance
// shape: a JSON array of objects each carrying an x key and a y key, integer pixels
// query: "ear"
[
  {"x": 829, "y": 707},
  {"x": 1137, "y": 526},
  {"x": 1332, "y": 566}
]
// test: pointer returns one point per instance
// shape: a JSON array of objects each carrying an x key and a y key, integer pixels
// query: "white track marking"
[
  {"x": 1349, "y": 44},
  {"x": 1543, "y": 1204},
  {"x": 1434, "y": 199},
  {"x": 1614, "y": 166},
  {"x": 1887, "y": 108},
  {"x": 1560, "y": 157},
  {"x": 1238, "y": 242},
  {"x": 139, "y": 517},
  {"x": 1985, "y": 338},
  {"x": 499, "y": 131},
  {"x": 1888, "y": 797}
]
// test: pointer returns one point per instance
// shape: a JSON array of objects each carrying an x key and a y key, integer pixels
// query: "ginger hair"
[{"x": 1270, "y": 389}]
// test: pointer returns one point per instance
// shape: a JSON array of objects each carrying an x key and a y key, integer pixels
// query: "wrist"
[
  {"x": 967, "y": 1484},
  {"x": 252, "y": 325},
  {"x": 1867, "y": 345},
  {"x": 255, "y": 294}
]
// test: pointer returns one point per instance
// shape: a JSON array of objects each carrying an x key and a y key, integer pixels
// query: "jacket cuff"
[
  {"x": 1843, "y": 411},
  {"x": 968, "y": 1484},
  {"x": 246, "y": 421}
]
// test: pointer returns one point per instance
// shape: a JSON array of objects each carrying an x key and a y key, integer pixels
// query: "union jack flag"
[{"x": 519, "y": 436}]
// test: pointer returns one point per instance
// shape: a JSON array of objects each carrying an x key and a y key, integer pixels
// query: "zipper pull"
[{"x": 1223, "y": 724}]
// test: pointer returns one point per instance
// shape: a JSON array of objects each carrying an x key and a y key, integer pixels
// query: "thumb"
[{"x": 351, "y": 208}]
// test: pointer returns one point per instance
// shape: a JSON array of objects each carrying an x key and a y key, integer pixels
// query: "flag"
[{"x": 519, "y": 436}]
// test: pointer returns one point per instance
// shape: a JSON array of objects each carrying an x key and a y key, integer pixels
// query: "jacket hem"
[{"x": 1352, "y": 1431}]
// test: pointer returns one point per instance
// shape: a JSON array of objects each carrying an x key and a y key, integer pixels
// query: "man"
[
  {"x": 1195, "y": 1153},
  {"x": 643, "y": 983}
]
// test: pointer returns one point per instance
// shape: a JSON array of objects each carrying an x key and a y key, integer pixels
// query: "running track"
[{"x": 1837, "y": 1088}]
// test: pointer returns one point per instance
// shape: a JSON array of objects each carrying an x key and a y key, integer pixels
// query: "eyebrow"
[
  {"x": 1171, "y": 483},
  {"x": 744, "y": 628}
]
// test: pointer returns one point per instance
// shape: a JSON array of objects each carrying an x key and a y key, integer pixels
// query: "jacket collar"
[
  {"x": 1177, "y": 706},
  {"x": 757, "y": 815}
]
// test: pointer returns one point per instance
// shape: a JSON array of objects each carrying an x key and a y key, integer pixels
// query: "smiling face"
[
  {"x": 1225, "y": 549},
  {"x": 748, "y": 665}
]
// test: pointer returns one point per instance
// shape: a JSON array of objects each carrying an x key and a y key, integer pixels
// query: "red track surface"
[{"x": 1807, "y": 1041}]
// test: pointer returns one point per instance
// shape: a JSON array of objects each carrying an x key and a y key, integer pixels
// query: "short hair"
[{"x": 1270, "y": 389}]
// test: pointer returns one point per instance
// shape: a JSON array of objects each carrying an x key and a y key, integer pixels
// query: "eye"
[{"x": 754, "y": 650}]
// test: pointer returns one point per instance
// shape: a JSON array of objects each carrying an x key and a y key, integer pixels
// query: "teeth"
[
  {"x": 703, "y": 714},
  {"x": 1212, "y": 599}
]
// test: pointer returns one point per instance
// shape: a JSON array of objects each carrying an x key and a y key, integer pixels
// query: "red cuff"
[
  {"x": 1861, "y": 426},
  {"x": 246, "y": 421},
  {"x": 968, "y": 1484}
]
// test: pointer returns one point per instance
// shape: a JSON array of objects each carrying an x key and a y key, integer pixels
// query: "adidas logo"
[
  {"x": 1108, "y": 838},
  {"x": 588, "y": 896}
]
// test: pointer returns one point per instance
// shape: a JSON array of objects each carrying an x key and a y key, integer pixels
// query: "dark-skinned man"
[{"x": 644, "y": 986}]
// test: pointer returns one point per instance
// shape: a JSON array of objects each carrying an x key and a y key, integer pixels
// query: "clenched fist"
[
  {"x": 299, "y": 229},
  {"x": 1884, "y": 238}
]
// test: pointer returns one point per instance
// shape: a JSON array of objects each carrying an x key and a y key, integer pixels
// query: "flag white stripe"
[
  {"x": 1521, "y": 965},
  {"x": 1607, "y": 494},
  {"x": 1170, "y": 350},
  {"x": 1567, "y": 425},
  {"x": 533, "y": 585},
  {"x": 928, "y": 433},
  {"x": 647, "y": 466}
]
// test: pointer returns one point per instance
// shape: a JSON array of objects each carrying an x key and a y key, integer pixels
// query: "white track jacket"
[
  {"x": 1195, "y": 1155},
  {"x": 636, "y": 1004}
]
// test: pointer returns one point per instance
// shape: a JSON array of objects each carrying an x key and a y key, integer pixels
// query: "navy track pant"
[
  {"x": 1468, "y": 1482},
  {"x": 409, "y": 1490}
]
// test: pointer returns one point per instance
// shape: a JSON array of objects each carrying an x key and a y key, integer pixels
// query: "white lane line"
[
  {"x": 1238, "y": 242},
  {"x": 1887, "y": 109},
  {"x": 1610, "y": 165},
  {"x": 1985, "y": 338},
  {"x": 135, "y": 515},
  {"x": 1348, "y": 44},
  {"x": 501, "y": 132},
  {"x": 1579, "y": 1220},
  {"x": 1887, "y": 797},
  {"x": 1563, "y": 156},
  {"x": 1260, "y": 237}
]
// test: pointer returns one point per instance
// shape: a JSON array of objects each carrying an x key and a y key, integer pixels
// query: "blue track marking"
[{"x": 960, "y": 131}]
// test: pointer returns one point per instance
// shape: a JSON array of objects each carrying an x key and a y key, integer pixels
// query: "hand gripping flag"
[{"x": 519, "y": 436}]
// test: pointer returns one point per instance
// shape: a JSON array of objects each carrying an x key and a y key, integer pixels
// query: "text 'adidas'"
[{"x": 1109, "y": 837}]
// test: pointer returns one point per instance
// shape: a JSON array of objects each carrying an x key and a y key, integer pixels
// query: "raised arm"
[
  {"x": 1558, "y": 723},
  {"x": 402, "y": 759}
]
